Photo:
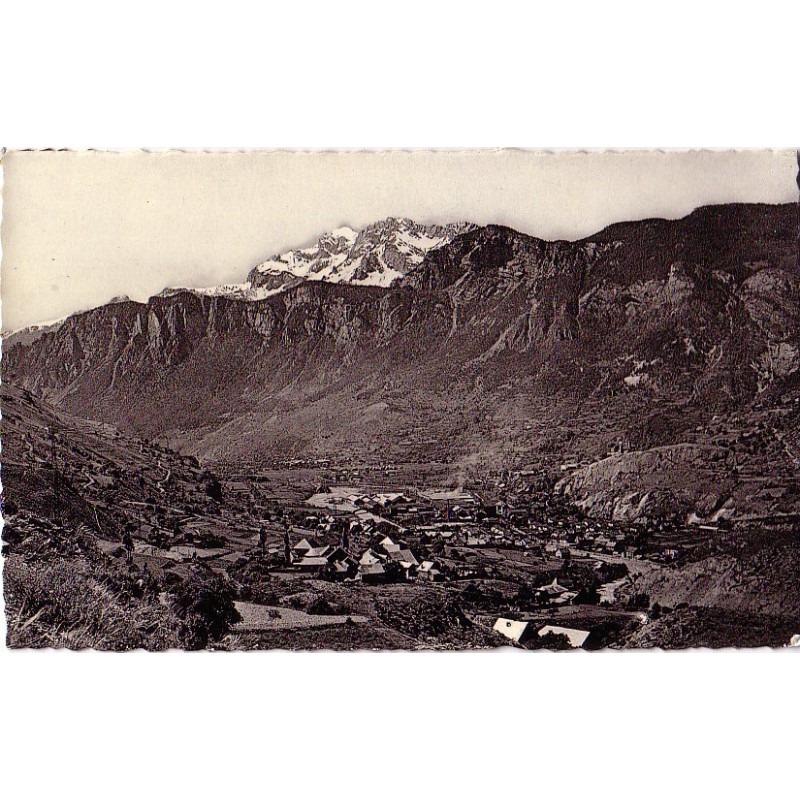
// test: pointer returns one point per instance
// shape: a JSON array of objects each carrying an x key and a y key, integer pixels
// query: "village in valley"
[
  {"x": 324, "y": 554},
  {"x": 520, "y": 561},
  {"x": 314, "y": 553}
]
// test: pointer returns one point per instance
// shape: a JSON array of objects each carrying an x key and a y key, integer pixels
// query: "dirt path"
[{"x": 275, "y": 618}]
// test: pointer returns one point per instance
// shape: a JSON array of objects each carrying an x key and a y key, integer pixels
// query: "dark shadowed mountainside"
[{"x": 498, "y": 346}]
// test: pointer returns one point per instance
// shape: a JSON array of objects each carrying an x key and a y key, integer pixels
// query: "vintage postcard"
[{"x": 401, "y": 400}]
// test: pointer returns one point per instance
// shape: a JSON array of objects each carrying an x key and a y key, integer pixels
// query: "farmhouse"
[
  {"x": 390, "y": 499},
  {"x": 404, "y": 557},
  {"x": 389, "y": 545},
  {"x": 555, "y": 593},
  {"x": 513, "y": 629},
  {"x": 428, "y": 571},
  {"x": 382, "y": 524},
  {"x": 340, "y": 570},
  {"x": 406, "y": 560},
  {"x": 372, "y": 573},
  {"x": 445, "y": 497},
  {"x": 318, "y": 552},
  {"x": 369, "y": 557},
  {"x": 303, "y": 546},
  {"x": 311, "y": 563}
]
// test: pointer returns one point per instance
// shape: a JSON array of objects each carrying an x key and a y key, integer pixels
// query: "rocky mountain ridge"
[
  {"x": 378, "y": 255},
  {"x": 494, "y": 343}
]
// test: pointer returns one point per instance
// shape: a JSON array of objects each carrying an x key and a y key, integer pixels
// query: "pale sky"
[{"x": 80, "y": 228}]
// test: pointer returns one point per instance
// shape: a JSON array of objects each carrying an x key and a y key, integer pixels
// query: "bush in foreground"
[{"x": 205, "y": 605}]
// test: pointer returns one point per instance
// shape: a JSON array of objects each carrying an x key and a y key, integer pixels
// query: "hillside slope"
[{"x": 496, "y": 345}]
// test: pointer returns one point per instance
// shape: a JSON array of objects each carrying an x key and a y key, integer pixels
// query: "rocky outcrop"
[
  {"x": 664, "y": 482},
  {"x": 759, "y": 578},
  {"x": 656, "y": 309}
]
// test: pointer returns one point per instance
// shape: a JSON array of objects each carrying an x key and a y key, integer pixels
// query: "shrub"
[
  {"x": 206, "y": 608},
  {"x": 655, "y": 611},
  {"x": 639, "y": 601},
  {"x": 322, "y": 606},
  {"x": 471, "y": 594},
  {"x": 214, "y": 488},
  {"x": 424, "y": 616},
  {"x": 552, "y": 641}
]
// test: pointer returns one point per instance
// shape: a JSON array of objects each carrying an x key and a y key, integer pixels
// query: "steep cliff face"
[
  {"x": 641, "y": 314},
  {"x": 530, "y": 286},
  {"x": 197, "y": 357}
]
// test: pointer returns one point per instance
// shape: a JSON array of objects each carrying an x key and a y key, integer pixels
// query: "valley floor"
[
  {"x": 461, "y": 568},
  {"x": 115, "y": 543}
]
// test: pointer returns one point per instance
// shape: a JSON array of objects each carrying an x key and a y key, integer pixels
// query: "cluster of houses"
[
  {"x": 403, "y": 508},
  {"x": 383, "y": 562},
  {"x": 587, "y": 536},
  {"x": 453, "y": 517},
  {"x": 459, "y": 517}
]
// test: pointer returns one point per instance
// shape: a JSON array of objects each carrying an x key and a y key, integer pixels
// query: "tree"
[
  {"x": 525, "y": 596},
  {"x": 205, "y": 605},
  {"x": 640, "y": 601},
  {"x": 472, "y": 594},
  {"x": 655, "y": 611},
  {"x": 588, "y": 595},
  {"x": 214, "y": 488},
  {"x": 553, "y": 641}
]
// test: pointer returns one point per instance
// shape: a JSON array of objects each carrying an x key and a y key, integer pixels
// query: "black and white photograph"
[{"x": 401, "y": 400}]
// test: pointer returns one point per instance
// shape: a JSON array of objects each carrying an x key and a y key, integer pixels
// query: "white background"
[{"x": 398, "y": 75}]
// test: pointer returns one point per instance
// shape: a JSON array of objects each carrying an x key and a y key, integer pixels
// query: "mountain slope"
[
  {"x": 71, "y": 470},
  {"x": 28, "y": 335},
  {"x": 496, "y": 345}
]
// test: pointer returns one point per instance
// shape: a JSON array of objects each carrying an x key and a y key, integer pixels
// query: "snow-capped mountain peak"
[{"x": 378, "y": 255}]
